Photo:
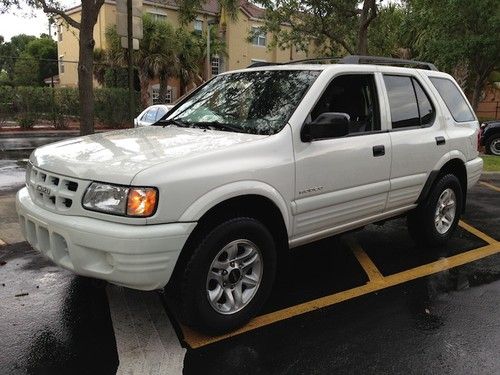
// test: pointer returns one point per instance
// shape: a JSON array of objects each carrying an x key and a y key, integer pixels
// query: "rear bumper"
[
  {"x": 474, "y": 169},
  {"x": 136, "y": 256}
]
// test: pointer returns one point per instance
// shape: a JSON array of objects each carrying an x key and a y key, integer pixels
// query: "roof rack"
[
  {"x": 262, "y": 63},
  {"x": 354, "y": 59},
  {"x": 379, "y": 60}
]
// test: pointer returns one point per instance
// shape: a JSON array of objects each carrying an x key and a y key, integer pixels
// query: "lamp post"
[{"x": 209, "y": 65}]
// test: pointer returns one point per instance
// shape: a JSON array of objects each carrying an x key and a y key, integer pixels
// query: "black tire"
[
  {"x": 489, "y": 144},
  {"x": 196, "y": 308},
  {"x": 421, "y": 220}
]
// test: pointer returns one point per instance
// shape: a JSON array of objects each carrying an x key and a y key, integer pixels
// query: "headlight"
[{"x": 121, "y": 200}]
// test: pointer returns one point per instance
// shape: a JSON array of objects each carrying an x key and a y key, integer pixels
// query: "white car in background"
[{"x": 151, "y": 114}]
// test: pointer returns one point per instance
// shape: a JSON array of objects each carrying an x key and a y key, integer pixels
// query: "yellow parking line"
[
  {"x": 477, "y": 232},
  {"x": 196, "y": 340},
  {"x": 370, "y": 268},
  {"x": 2, "y": 242},
  {"x": 493, "y": 187}
]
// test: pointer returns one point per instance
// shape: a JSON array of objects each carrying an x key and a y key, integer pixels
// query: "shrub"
[
  {"x": 111, "y": 106},
  {"x": 27, "y": 120},
  {"x": 29, "y": 104}
]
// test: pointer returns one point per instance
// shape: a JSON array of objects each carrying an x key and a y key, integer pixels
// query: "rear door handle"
[
  {"x": 378, "y": 150},
  {"x": 440, "y": 141}
]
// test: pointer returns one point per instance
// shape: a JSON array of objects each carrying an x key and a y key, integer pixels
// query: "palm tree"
[
  {"x": 189, "y": 56},
  {"x": 164, "y": 52}
]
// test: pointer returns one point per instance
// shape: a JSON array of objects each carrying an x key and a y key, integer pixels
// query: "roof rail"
[
  {"x": 379, "y": 60},
  {"x": 354, "y": 59},
  {"x": 256, "y": 64},
  {"x": 320, "y": 59}
]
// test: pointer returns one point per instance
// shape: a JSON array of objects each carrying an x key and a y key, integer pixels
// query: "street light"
[{"x": 209, "y": 65}]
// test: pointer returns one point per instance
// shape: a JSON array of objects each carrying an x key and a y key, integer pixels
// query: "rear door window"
[
  {"x": 409, "y": 103},
  {"x": 402, "y": 100},
  {"x": 426, "y": 110},
  {"x": 453, "y": 98}
]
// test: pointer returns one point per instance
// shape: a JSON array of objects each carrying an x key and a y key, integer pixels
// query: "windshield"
[{"x": 257, "y": 102}]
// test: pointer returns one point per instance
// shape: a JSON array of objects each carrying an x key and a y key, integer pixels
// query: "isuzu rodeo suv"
[{"x": 253, "y": 163}]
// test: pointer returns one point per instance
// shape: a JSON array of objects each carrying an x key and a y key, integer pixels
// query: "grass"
[{"x": 491, "y": 163}]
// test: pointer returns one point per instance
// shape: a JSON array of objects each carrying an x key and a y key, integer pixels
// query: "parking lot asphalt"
[{"x": 367, "y": 302}]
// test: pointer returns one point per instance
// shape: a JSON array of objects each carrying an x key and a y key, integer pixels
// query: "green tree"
[
  {"x": 26, "y": 71},
  {"x": 455, "y": 33},
  {"x": 336, "y": 26},
  {"x": 44, "y": 49},
  {"x": 385, "y": 35},
  {"x": 85, "y": 26},
  {"x": 11, "y": 51}
]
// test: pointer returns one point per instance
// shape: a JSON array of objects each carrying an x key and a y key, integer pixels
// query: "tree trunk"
[
  {"x": 368, "y": 14},
  {"x": 85, "y": 68},
  {"x": 476, "y": 93},
  {"x": 163, "y": 89},
  {"x": 144, "y": 81}
]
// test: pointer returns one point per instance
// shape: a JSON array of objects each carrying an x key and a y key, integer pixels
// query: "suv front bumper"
[{"x": 136, "y": 256}]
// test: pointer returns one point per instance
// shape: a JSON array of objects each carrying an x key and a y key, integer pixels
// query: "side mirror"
[{"x": 327, "y": 125}]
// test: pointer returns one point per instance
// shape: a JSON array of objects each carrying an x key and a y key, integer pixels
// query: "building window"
[
  {"x": 216, "y": 65},
  {"x": 259, "y": 37},
  {"x": 59, "y": 33},
  {"x": 61, "y": 64},
  {"x": 155, "y": 95},
  {"x": 158, "y": 16},
  {"x": 198, "y": 26}
]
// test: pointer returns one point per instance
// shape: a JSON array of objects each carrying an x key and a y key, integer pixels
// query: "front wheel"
[
  {"x": 229, "y": 276},
  {"x": 433, "y": 222}
]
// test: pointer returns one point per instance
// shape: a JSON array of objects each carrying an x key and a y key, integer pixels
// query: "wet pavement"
[{"x": 52, "y": 322}]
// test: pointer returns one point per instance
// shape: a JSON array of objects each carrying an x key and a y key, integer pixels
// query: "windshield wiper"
[
  {"x": 172, "y": 121},
  {"x": 217, "y": 125}
]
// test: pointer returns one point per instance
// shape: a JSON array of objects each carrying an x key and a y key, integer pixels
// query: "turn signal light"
[{"x": 142, "y": 201}]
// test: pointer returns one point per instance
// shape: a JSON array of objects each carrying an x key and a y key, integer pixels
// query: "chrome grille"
[{"x": 52, "y": 191}]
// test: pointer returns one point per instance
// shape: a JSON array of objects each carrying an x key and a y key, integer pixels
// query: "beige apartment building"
[{"x": 240, "y": 51}]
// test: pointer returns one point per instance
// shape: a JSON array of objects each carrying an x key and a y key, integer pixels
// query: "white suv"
[{"x": 254, "y": 163}]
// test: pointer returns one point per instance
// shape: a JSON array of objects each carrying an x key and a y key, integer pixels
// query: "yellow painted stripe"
[
  {"x": 2, "y": 242},
  {"x": 370, "y": 268},
  {"x": 195, "y": 339},
  {"x": 491, "y": 186},
  {"x": 477, "y": 232}
]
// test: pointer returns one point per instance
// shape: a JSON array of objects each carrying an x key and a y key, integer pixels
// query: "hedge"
[{"x": 29, "y": 104}]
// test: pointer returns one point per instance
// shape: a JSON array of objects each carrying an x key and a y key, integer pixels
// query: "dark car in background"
[{"x": 490, "y": 137}]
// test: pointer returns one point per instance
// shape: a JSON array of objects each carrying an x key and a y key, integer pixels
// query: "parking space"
[
  {"x": 370, "y": 301},
  {"x": 350, "y": 271}
]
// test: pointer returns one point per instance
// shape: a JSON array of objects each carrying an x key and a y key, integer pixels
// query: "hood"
[{"x": 118, "y": 156}]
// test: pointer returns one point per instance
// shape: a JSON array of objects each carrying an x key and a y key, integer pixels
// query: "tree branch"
[
  {"x": 97, "y": 8},
  {"x": 50, "y": 9}
]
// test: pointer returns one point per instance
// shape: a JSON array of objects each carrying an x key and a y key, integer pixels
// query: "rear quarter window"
[{"x": 453, "y": 98}]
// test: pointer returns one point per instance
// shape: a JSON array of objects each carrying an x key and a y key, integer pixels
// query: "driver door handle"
[{"x": 378, "y": 150}]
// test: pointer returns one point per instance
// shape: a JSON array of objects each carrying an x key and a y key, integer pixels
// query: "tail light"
[{"x": 479, "y": 136}]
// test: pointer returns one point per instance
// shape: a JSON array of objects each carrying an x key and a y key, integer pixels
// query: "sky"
[{"x": 27, "y": 21}]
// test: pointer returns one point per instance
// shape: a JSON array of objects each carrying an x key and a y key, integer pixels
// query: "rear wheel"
[
  {"x": 433, "y": 222},
  {"x": 493, "y": 145},
  {"x": 229, "y": 275}
]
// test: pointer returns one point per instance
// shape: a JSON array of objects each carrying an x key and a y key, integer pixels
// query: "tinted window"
[
  {"x": 453, "y": 99},
  {"x": 404, "y": 109},
  {"x": 424, "y": 105},
  {"x": 356, "y": 95}
]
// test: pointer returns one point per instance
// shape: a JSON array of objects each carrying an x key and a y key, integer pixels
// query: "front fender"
[{"x": 233, "y": 190}]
